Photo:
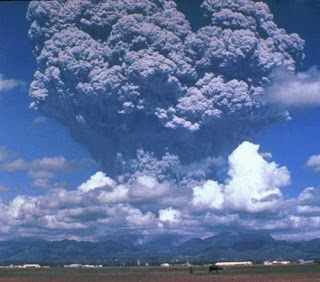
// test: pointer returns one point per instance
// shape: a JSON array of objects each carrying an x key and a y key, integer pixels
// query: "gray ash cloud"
[{"x": 129, "y": 75}]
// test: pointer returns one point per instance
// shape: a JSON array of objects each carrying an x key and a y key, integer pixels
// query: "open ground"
[{"x": 176, "y": 274}]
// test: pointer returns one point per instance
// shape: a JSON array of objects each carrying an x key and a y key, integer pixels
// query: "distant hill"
[
  {"x": 244, "y": 246},
  {"x": 224, "y": 246}
]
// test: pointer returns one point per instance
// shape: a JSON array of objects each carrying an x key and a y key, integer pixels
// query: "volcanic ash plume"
[{"x": 146, "y": 94}]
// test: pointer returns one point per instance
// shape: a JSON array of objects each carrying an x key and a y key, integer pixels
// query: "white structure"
[
  {"x": 231, "y": 263},
  {"x": 302, "y": 261},
  {"x": 12, "y": 266},
  {"x": 77, "y": 265},
  {"x": 74, "y": 265},
  {"x": 89, "y": 266},
  {"x": 267, "y": 262},
  {"x": 165, "y": 265},
  {"x": 31, "y": 266},
  {"x": 284, "y": 262}
]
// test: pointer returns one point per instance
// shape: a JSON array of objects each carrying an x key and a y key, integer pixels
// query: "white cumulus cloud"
[
  {"x": 295, "y": 90},
  {"x": 314, "y": 163},
  {"x": 9, "y": 84},
  {"x": 170, "y": 215},
  {"x": 253, "y": 184},
  {"x": 250, "y": 197},
  {"x": 98, "y": 180},
  {"x": 210, "y": 195}
]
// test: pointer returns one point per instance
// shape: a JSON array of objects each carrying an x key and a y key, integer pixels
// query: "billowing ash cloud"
[
  {"x": 129, "y": 75},
  {"x": 161, "y": 106}
]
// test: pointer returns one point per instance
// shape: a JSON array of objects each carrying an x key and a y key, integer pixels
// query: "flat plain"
[{"x": 249, "y": 273}]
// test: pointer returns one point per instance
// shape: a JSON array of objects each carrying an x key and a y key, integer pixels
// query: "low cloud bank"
[{"x": 250, "y": 198}]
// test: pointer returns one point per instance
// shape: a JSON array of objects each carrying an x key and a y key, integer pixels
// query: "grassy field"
[{"x": 176, "y": 274}]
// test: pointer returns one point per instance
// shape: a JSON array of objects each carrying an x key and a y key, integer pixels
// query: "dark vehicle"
[{"x": 215, "y": 268}]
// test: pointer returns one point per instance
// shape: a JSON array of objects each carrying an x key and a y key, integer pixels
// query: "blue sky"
[
  {"x": 292, "y": 143},
  {"x": 29, "y": 136},
  {"x": 21, "y": 134}
]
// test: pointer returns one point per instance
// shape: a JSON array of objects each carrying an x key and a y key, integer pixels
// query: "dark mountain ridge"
[{"x": 224, "y": 246}]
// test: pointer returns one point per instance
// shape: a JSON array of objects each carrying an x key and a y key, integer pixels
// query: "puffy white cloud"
[
  {"x": 9, "y": 84},
  {"x": 253, "y": 184},
  {"x": 310, "y": 194},
  {"x": 53, "y": 164},
  {"x": 50, "y": 164},
  {"x": 41, "y": 170},
  {"x": 308, "y": 209},
  {"x": 169, "y": 215},
  {"x": 314, "y": 163},
  {"x": 18, "y": 164},
  {"x": 216, "y": 220},
  {"x": 298, "y": 218},
  {"x": 308, "y": 202},
  {"x": 210, "y": 195},
  {"x": 295, "y": 90},
  {"x": 43, "y": 174},
  {"x": 115, "y": 195},
  {"x": 147, "y": 181},
  {"x": 249, "y": 198},
  {"x": 98, "y": 180},
  {"x": 297, "y": 236},
  {"x": 42, "y": 183},
  {"x": 305, "y": 222},
  {"x": 136, "y": 218},
  {"x": 52, "y": 223},
  {"x": 147, "y": 187},
  {"x": 15, "y": 206},
  {"x": 266, "y": 155}
]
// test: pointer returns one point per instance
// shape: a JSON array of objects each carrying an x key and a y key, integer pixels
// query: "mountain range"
[{"x": 226, "y": 246}]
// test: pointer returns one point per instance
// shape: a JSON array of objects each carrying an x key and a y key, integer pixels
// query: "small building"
[
  {"x": 283, "y": 262},
  {"x": 232, "y": 263},
  {"x": 89, "y": 266},
  {"x": 165, "y": 265},
  {"x": 302, "y": 261},
  {"x": 73, "y": 265},
  {"x": 31, "y": 266},
  {"x": 13, "y": 266}
]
